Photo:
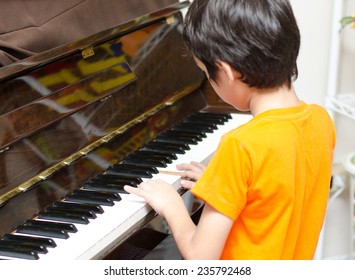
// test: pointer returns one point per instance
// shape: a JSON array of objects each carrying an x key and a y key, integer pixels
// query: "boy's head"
[{"x": 260, "y": 39}]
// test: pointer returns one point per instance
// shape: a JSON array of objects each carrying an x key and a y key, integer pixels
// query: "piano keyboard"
[{"x": 86, "y": 223}]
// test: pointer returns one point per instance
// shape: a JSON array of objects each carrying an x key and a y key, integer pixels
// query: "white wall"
[{"x": 313, "y": 18}]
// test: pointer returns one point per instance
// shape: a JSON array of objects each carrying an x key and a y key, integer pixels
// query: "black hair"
[{"x": 258, "y": 38}]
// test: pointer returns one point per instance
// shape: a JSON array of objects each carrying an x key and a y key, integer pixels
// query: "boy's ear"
[{"x": 231, "y": 73}]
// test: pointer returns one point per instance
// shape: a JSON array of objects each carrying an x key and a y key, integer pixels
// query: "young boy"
[{"x": 266, "y": 188}]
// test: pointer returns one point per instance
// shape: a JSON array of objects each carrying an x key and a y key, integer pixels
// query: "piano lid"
[
  {"x": 58, "y": 106},
  {"x": 85, "y": 45}
]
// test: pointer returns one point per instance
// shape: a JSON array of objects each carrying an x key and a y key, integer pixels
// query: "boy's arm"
[{"x": 205, "y": 241}]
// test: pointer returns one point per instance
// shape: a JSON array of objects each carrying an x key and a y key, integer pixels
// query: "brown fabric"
[{"x": 33, "y": 26}]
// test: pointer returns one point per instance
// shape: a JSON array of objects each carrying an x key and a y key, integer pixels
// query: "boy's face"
[{"x": 228, "y": 86}]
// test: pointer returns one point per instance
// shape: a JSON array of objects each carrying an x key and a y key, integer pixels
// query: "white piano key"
[{"x": 94, "y": 240}]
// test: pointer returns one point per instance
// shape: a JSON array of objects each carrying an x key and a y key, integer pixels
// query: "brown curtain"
[{"x": 33, "y": 26}]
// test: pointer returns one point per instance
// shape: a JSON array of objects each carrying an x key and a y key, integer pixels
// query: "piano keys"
[{"x": 76, "y": 129}]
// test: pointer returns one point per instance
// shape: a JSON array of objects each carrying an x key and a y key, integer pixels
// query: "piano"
[{"x": 80, "y": 121}]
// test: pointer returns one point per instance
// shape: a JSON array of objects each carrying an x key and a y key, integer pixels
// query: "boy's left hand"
[{"x": 158, "y": 194}]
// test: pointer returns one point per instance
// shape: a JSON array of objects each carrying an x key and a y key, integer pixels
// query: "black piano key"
[
  {"x": 48, "y": 242},
  {"x": 117, "y": 179},
  {"x": 151, "y": 155},
  {"x": 53, "y": 225},
  {"x": 170, "y": 139},
  {"x": 166, "y": 147},
  {"x": 182, "y": 146},
  {"x": 194, "y": 126},
  {"x": 63, "y": 217},
  {"x": 111, "y": 183},
  {"x": 139, "y": 163},
  {"x": 149, "y": 149},
  {"x": 14, "y": 245},
  {"x": 210, "y": 116},
  {"x": 208, "y": 125},
  {"x": 122, "y": 173},
  {"x": 154, "y": 160},
  {"x": 86, "y": 213},
  {"x": 224, "y": 116},
  {"x": 156, "y": 155},
  {"x": 202, "y": 118},
  {"x": 105, "y": 187},
  {"x": 90, "y": 200},
  {"x": 19, "y": 253},
  {"x": 227, "y": 116},
  {"x": 41, "y": 231},
  {"x": 155, "y": 152},
  {"x": 183, "y": 135},
  {"x": 189, "y": 131},
  {"x": 144, "y": 161},
  {"x": 79, "y": 206},
  {"x": 112, "y": 196},
  {"x": 134, "y": 167}
]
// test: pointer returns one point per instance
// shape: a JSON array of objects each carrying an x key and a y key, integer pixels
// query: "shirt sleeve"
[{"x": 224, "y": 184}]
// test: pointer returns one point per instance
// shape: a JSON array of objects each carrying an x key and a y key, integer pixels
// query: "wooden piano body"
[{"x": 69, "y": 114}]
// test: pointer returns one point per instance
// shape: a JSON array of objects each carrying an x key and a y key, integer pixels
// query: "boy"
[{"x": 266, "y": 188}]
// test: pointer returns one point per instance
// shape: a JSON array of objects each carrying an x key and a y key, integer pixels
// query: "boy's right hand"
[{"x": 191, "y": 173}]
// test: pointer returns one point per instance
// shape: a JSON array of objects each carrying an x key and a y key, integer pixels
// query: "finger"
[
  {"x": 183, "y": 166},
  {"x": 129, "y": 189},
  {"x": 191, "y": 175},
  {"x": 187, "y": 184},
  {"x": 198, "y": 165},
  {"x": 136, "y": 191},
  {"x": 193, "y": 166},
  {"x": 143, "y": 189},
  {"x": 147, "y": 185}
]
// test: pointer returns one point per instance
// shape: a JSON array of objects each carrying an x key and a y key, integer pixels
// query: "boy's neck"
[{"x": 264, "y": 100}]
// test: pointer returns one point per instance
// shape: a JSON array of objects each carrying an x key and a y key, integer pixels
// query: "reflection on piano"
[{"x": 80, "y": 121}]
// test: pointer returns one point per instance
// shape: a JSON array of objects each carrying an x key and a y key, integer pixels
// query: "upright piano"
[{"x": 80, "y": 121}]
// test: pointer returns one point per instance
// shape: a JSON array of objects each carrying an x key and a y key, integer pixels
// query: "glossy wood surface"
[
  {"x": 58, "y": 104},
  {"x": 59, "y": 108}
]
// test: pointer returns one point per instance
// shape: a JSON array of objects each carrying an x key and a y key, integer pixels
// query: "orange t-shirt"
[{"x": 272, "y": 177}]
